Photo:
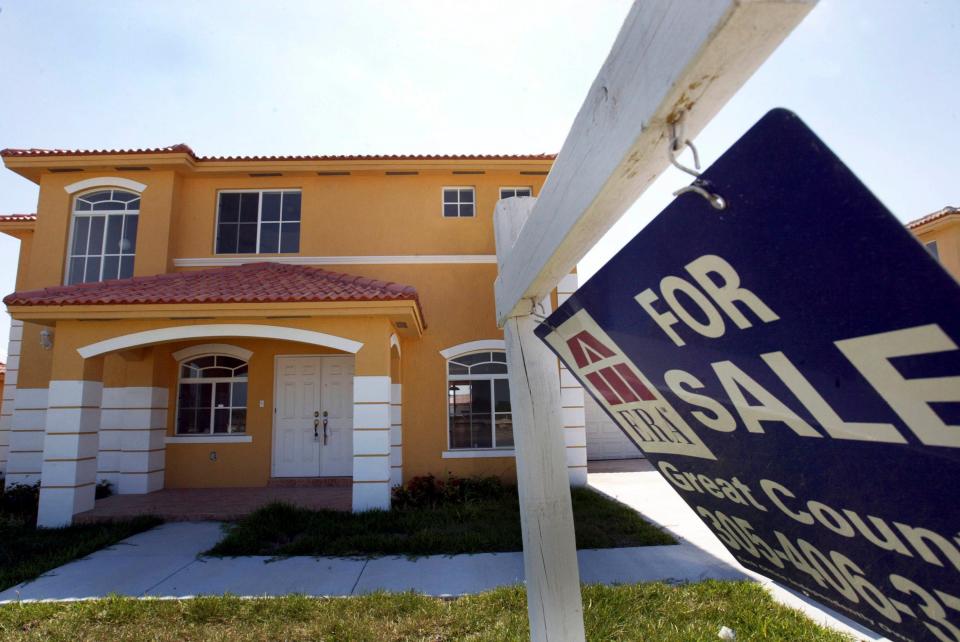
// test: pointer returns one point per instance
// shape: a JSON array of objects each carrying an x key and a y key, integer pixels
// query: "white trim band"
[
  {"x": 178, "y": 333},
  {"x": 400, "y": 259},
  {"x": 104, "y": 181}
]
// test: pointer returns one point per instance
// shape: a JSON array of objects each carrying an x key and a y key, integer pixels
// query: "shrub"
[
  {"x": 104, "y": 489},
  {"x": 428, "y": 491},
  {"x": 21, "y": 501}
]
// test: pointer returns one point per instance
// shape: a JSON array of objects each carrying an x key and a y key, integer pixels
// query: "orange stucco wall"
[{"x": 367, "y": 213}]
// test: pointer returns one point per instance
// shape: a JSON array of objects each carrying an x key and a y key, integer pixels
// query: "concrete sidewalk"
[{"x": 166, "y": 562}]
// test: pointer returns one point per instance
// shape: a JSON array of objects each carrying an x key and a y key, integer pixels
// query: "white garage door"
[{"x": 605, "y": 440}]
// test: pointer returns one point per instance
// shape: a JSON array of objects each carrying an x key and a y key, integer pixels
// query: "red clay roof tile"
[
  {"x": 185, "y": 149},
  {"x": 250, "y": 283},
  {"x": 929, "y": 218},
  {"x": 17, "y": 218}
]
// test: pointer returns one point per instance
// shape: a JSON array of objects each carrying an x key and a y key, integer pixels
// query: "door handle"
[{"x": 324, "y": 427}]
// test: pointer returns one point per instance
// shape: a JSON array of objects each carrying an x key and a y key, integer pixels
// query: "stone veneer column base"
[
  {"x": 371, "y": 443},
  {"x": 8, "y": 393},
  {"x": 396, "y": 435},
  {"x": 133, "y": 427},
  {"x": 69, "y": 474},
  {"x": 27, "y": 430}
]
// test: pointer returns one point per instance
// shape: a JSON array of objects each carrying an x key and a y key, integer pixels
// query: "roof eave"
[
  {"x": 921, "y": 227},
  {"x": 406, "y": 310},
  {"x": 33, "y": 167},
  {"x": 17, "y": 229}
]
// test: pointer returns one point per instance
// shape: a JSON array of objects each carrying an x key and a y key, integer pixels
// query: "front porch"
[
  {"x": 215, "y": 504},
  {"x": 189, "y": 409}
]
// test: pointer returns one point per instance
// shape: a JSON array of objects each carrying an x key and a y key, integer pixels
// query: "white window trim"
[
  {"x": 259, "y": 220},
  {"x": 443, "y": 200},
  {"x": 515, "y": 187},
  {"x": 473, "y": 346},
  {"x": 105, "y": 181},
  {"x": 214, "y": 437},
  {"x": 212, "y": 348},
  {"x": 478, "y": 453},
  {"x": 493, "y": 412},
  {"x": 73, "y": 223},
  {"x": 209, "y": 439}
]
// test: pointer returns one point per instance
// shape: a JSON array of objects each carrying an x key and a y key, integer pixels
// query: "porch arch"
[{"x": 248, "y": 330}]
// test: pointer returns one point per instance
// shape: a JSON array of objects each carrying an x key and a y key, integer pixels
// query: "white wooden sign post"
[{"x": 673, "y": 60}]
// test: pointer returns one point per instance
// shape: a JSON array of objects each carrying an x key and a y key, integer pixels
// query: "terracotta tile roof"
[
  {"x": 929, "y": 218},
  {"x": 185, "y": 149},
  {"x": 249, "y": 283},
  {"x": 17, "y": 218}
]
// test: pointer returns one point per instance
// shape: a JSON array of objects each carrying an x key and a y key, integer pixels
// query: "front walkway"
[
  {"x": 214, "y": 504},
  {"x": 166, "y": 562}
]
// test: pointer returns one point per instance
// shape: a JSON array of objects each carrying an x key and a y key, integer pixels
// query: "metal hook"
[
  {"x": 698, "y": 186},
  {"x": 714, "y": 199},
  {"x": 539, "y": 316}
]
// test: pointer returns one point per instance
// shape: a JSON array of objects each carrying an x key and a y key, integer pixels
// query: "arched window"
[
  {"x": 212, "y": 396},
  {"x": 478, "y": 401},
  {"x": 103, "y": 240}
]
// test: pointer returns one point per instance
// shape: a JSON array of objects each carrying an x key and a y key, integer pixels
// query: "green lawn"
[
  {"x": 26, "y": 552},
  {"x": 654, "y": 611},
  {"x": 476, "y": 526}
]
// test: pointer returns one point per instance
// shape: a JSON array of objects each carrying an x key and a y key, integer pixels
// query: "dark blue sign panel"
[{"x": 791, "y": 366}]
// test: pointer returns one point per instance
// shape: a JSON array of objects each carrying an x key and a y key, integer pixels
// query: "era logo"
[
  {"x": 624, "y": 392},
  {"x": 615, "y": 382}
]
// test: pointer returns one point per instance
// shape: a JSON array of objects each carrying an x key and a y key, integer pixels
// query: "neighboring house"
[
  {"x": 940, "y": 234},
  {"x": 185, "y": 321}
]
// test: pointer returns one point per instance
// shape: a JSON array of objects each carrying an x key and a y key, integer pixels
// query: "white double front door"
[{"x": 308, "y": 391}]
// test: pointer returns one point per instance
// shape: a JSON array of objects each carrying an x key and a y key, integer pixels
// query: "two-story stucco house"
[{"x": 184, "y": 321}]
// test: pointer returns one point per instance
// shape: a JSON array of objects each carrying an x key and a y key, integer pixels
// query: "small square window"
[
  {"x": 510, "y": 192},
  {"x": 458, "y": 202}
]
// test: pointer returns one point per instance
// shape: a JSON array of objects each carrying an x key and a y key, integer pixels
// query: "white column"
[
  {"x": 9, "y": 391},
  {"x": 27, "y": 430},
  {"x": 371, "y": 443},
  {"x": 69, "y": 471},
  {"x": 133, "y": 426},
  {"x": 572, "y": 401},
  {"x": 396, "y": 435}
]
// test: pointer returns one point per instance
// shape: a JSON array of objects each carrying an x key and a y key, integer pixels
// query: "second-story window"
[
  {"x": 510, "y": 192},
  {"x": 103, "y": 240},
  {"x": 458, "y": 202},
  {"x": 258, "y": 222}
]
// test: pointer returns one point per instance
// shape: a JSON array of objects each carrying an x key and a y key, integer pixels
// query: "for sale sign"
[{"x": 790, "y": 364}]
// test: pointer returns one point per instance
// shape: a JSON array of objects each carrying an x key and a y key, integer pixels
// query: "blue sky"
[{"x": 878, "y": 80}]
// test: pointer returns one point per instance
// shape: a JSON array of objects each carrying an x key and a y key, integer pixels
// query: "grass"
[
  {"x": 27, "y": 552},
  {"x": 654, "y": 611},
  {"x": 479, "y": 526}
]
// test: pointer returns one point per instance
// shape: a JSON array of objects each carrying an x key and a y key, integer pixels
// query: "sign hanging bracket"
[{"x": 698, "y": 186}]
